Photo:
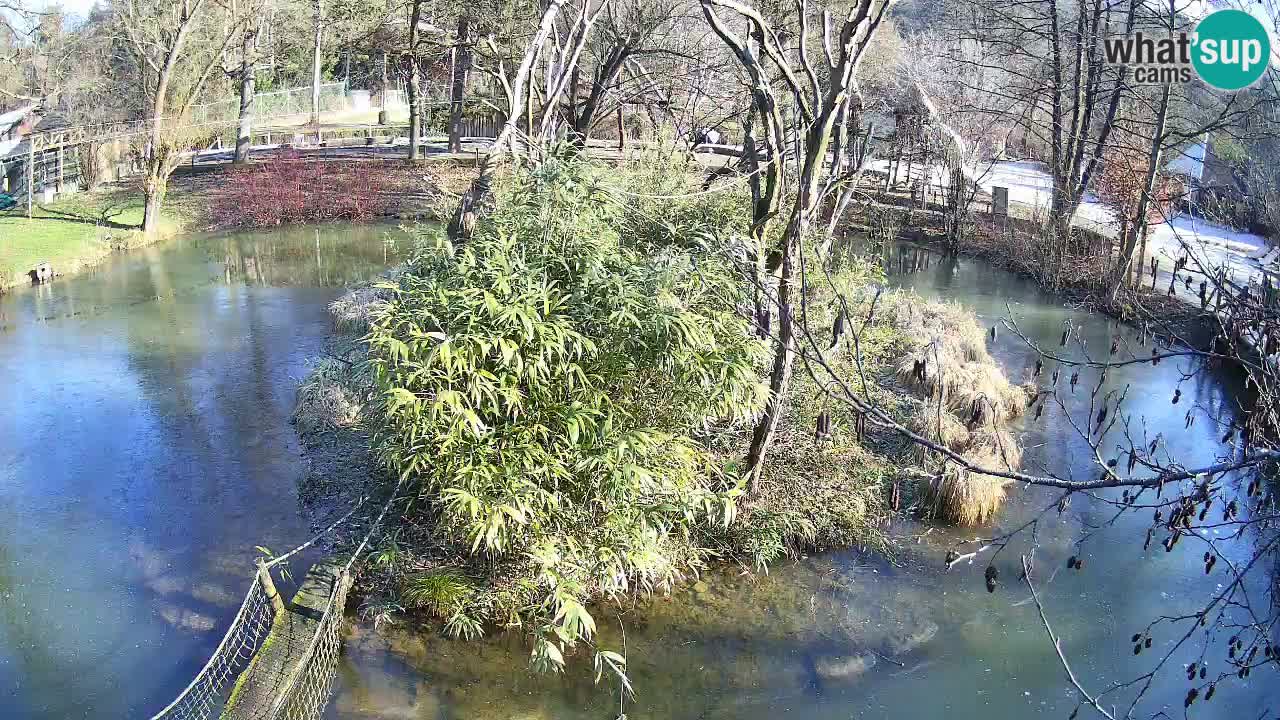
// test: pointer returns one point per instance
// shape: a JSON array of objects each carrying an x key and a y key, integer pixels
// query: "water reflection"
[
  {"x": 145, "y": 449},
  {"x": 932, "y": 643}
]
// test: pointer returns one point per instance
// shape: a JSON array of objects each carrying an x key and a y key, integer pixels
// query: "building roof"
[
  {"x": 1189, "y": 161},
  {"x": 8, "y": 121},
  {"x": 51, "y": 121},
  {"x": 13, "y": 117}
]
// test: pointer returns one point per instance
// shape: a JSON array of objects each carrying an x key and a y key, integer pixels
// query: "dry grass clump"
[
  {"x": 997, "y": 443},
  {"x": 947, "y": 361},
  {"x": 334, "y": 394},
  {"x": 957, "y": 495},
  {"x": 329, "y": 399},
  {"x": 353, "y": 311},
  {"x": 966, "y": 497},
  {"x": 940, "y": 427},
  {"x": 975, "y": 390},
  {"x": 962, "y": 497},
  {"x": 967, "y": 401}
]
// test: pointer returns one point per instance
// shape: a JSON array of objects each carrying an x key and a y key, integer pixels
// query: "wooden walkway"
[{"x": 275, "y": 663}]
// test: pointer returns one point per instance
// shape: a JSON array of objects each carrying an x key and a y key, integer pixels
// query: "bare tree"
[
  {"x": 628, "y": 27},
  {"x": 415, "y": 80},
  {"x": 317, "y": 49},
  {"x": 519, "y": 91},
  {"x": 821, "y": 96},
  {"x": 175, "y": 50},
  {"x": 246, "y": 79},
  {"x": 459, "y": 73}
]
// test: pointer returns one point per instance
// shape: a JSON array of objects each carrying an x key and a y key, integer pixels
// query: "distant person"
[{"x": 707, "y": 136}]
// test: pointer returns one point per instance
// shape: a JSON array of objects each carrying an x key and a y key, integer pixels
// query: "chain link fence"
[{"x": 276, "y": 104}]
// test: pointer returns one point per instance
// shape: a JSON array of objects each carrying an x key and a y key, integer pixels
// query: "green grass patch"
[{"x": 73, "y": 232}]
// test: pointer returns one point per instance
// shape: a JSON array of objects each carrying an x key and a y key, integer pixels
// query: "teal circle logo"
[{"x": 1232, "y": 49}]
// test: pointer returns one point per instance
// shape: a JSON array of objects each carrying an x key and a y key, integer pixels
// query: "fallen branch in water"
[{"x": 888, "y": 659}]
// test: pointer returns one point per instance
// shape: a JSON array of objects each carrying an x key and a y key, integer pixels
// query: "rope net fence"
[
  {"x": 302, "y": 690},
  {"x": 307, "y": 691},
  {"x": 207, "y": 694}
]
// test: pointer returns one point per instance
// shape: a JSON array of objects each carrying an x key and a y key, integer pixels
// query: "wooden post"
[
  {"x": 622, "y": 133},
  {"x": 60, "y": 175},
  {"x": 31, "y": 176},
  {"x": 999, "y": 201},
  {"x": 269, "y": 586}
]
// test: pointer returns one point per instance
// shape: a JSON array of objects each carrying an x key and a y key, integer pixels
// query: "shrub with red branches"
[
  {"x": 1121, "y": 182},
  {"x": 289, "y": 188}
]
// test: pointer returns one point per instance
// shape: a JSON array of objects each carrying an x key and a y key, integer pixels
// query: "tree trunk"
[
  {"x": 815, "y": 142},
  {"x": 458, "y": 86},
  {"x": 1137, "y": 225},
  {"x": 603, "y": 80},
  {"x": 315, "y": 63},
  {"x": 383, "y": 101},
  {"x": 779, "y": 376},
  {"x": 244, "y": 135},
  {"x": 415, "y": 119},
  {"x": 622, "y": 132},
  {"x": 154, "y": 185},
  {"x": 415, "y": 105},
  {"x": 1139, "y": 221},
  {"x": 520, "y": 94},
  {"x": 1142, "y": 259},
  {"x": 153, "y": 190}
]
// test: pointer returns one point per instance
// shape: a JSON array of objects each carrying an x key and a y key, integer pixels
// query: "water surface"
[
  {"x": 750, "y": 647},
  {"x": 145, "y": 450}
]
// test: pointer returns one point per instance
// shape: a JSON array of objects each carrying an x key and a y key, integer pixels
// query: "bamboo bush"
[{"x": 543, "y": 387}]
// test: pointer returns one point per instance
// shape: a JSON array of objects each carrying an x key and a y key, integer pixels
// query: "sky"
[
  {"x": 1268, "y": 11},
  {"x": 75, "y": 7}
]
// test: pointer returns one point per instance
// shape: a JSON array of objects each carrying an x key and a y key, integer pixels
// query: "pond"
[
  {"x": 763, "y": 647},
  {"x": 145, "y": 450}
]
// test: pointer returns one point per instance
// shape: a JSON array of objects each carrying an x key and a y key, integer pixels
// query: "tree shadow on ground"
[{"x": 104, "y": 217}]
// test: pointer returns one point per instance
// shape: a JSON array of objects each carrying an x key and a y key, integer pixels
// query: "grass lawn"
[{"x": 71, "y": 233}]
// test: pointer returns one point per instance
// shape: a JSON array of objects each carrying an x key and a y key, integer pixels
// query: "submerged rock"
[
  {"x": 843, "y": 667},
  {"x": 911, "y": 638},
  {"x": 700, "y": 587}
]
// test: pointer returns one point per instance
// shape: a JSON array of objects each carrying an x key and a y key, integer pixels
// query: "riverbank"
[
  {"x": 78, "y": 231},
  {"x": 1010, "y": 246},
  {"x": 82, "y": 229}
]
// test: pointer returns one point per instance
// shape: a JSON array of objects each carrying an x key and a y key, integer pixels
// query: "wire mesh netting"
[
  {"x": 275, "y": 104},
  {"x": 305, "y": 690},
  {"x": 207, "y": 694}
]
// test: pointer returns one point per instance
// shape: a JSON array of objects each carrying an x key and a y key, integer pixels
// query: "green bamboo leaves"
[{"x": 544, "y": 386}]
